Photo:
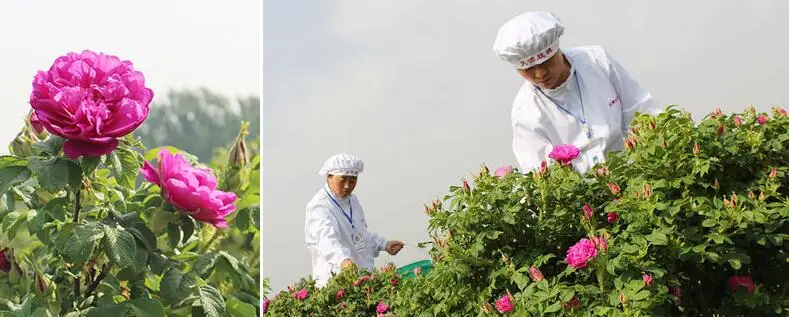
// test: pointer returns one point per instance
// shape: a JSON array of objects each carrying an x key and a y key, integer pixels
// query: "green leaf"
[
  {"x": 553, "y": 308},
  {"x": 89, "y": 164},
  {"x": 51, "y": 145},
  {"x": 108, "y": 310},
  {"x": 204, "y": 263},
  {"x": 641, "y": 295},
  {"x": 237, "y": 308},
  {"x": 41, "y": 312},
  {"x": 176, "y": 286},
  {"x": 143, "y": 234},
  {"x": 735, "y": 263},
  {"x": 77, "y": 242},
  {"x": 709, "y": 223},
  {"x": 657, "y": 238},
  {"x": 126, "y": 166},
  {"x": 152, "y": 153},
  {"x": 56, "y": 208},
  {"x": 492, "y": 234},
  {"x": 13, "y": 171},
  {"x": 174, "y": 235},
  {"x": 211, "y": 301},
  {"x": 148, "y": 307},
  {"x": 120, "y": 247},
  {"x": 55, "y": 173}
]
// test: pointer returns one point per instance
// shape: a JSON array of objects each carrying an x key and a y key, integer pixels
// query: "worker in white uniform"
[
  {"x": 579, "y": 96},
  {"x": 336, "y": 232}
]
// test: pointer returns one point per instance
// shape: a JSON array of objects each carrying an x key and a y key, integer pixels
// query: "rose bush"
[
  {"x": 691, "y": 219},
  {"x": 81, "y": 236}
]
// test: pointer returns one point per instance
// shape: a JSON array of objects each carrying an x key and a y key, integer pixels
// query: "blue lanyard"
[
  {"x": 350, "y": 204},
  {"x": 582, "y": 120}
]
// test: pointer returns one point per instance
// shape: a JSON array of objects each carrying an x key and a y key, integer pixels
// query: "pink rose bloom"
[
  {"x": 602, "y": 171},
  {"x": 588, "y": 212},
  {"x": 676, "y": 291},
  {"x": 5, "y": 264},
  {"x": 612, "y": 217},
  {"x": 580, "y": 253},
  {"x": 504, "y": 304},
  {"x": 190, "y": 189},
  {"x": 264, "y": 307},
  {"x": 503, "y": 171},
  {"x": 737, "y": 121},
  {"x": 361, "y": 280},
  {"x": 90, "y": 100},
  {"x": 340, "y": 294},
  {"x": 741, "y": 281},
  {"x": 762, "y": 119},
  {"x": 614, "y": 188},
  {"x": 543, "y": 167},
  {"x": 647, "y": 279},
  {"x": 564, "y": 154},
  {"x": 393, "y": 282},
  {"x": 302, "y": 294},
  {"x": 382, "y": 308},
  {"x": 535, "y": 274}
]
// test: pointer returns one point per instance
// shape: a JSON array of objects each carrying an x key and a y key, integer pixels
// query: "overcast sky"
[
  {"x": 175, "y": 43},
  {"x": 414, "y": 89}
]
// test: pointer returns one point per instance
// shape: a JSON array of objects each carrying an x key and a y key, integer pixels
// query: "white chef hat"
[
  {"x": 342, "y": 164},
  {"x": 529, "y": 39}
]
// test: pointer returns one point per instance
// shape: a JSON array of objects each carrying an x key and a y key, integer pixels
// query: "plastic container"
[{"x": 407, "y": 271}]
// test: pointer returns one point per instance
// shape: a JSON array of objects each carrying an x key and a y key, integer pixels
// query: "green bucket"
[{"x": 407, "y": 271}]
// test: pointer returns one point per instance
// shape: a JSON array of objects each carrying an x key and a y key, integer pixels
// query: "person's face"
[
  {"x": 342, "y": 186},
  {"x": 549, "y": 74}
]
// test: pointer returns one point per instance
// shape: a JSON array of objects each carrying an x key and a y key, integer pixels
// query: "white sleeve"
[
  {"x": 325, "y": 229},
  {"x": 633, "y": 97},
  {"x": 530, "y": 148}
]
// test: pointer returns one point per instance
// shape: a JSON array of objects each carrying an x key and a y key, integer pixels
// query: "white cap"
[
  {"x": 342, "y": 164},
  {"x": 529, "y": 39}
]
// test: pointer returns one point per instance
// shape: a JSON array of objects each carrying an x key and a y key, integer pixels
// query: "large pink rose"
[
  {"x": 190, "y": 189},
  {"x": 504, "y": 304},
  {"x": 745, "y": 282},
  {"x": 565, "y": 153},
  {"x": 580, "y": 253},
  {"x": 91, "y": 100}
]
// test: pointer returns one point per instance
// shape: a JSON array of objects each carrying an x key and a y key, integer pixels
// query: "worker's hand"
[
  {"x": 393, "y": 247},
  {"x": 347, "y": 263}
]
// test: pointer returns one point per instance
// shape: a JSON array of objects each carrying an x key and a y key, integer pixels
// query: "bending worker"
[
  {"x": 579, "y": 96},
  {"x": 336, "y": 232}
]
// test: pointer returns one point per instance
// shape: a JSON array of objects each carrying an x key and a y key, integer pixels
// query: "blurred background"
[{"x": 415, "y": 90}]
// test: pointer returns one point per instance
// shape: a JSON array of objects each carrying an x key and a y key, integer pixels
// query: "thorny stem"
[
  {"x": 76, "y": 206},
  {"x": 75, "y": 220},
  {"x": 211, "y": 241},
  {"x": 105, "y": 269}
]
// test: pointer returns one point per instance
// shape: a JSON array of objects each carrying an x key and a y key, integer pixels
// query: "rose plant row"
[
  {"x": 80, "y": 236},
  {"x": 690, "y": 219}
]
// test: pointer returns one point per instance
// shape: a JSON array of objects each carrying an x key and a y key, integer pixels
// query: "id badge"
[
  {"x": 595, "y": 155},
  {"x": 358, "y": 241}
]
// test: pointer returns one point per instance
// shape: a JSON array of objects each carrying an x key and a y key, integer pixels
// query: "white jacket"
[
  {"x": 328, "y": 235},
  {"x": 610, "y": 99}
]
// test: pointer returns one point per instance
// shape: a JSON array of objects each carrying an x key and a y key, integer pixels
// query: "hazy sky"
[
  {"x": 175, "y": 43},
  {"x": 415, "y": 90}
]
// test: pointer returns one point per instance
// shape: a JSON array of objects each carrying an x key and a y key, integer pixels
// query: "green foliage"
[
  {"x": 84, "y": 238},
  {"x": 695, "y": 205}
]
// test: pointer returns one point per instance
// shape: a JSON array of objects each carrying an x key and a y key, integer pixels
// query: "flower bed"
[{"x": 690, "y": 220}]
